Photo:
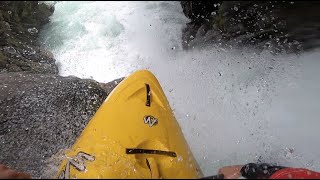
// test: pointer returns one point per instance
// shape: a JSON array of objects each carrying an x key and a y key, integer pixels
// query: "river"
[{"x": 234, "y": 106}]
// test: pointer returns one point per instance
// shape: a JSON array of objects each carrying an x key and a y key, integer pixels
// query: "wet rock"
[
  {"x": 20, "y": 23},
  {"x": 199, "y": 11},
  {"x": 108, "y": 87},
  {"x": 288, "y": 26},
  {"x": 41, "y": 114}
]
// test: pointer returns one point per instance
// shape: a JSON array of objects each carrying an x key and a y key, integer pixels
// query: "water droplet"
[
  {"x": 33, "y": 30},
  {"x": 10, "y": 50}
]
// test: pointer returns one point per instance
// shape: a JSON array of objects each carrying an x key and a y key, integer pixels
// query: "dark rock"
[
  {"x": 41, "y": 114},
  {"x": 199, "y": 11},
  {"x": 108, "y": 87},
  {"x": 20, "y": 23},
  {"x": 280, "y": 26},
  {"x": 189, "y": 32}
]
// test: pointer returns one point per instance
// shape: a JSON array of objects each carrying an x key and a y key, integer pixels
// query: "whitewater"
[{"x": 234, "y": 106}]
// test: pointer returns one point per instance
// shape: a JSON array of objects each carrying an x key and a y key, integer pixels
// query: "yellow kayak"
[{"x": 134, "y": 134}]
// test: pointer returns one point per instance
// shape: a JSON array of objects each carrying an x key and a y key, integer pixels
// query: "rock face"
[
  {"x": 20, "y": 23},
  {"x": 277, "y": 25},
  {"x": 199, "y": 11},
  {"x": 42, "y": 114}
]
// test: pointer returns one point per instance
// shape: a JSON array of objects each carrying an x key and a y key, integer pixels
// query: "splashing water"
[{"x": 233, "y": 106}]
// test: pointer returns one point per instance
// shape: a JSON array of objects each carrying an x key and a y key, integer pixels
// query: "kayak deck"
[{"x": 134, "y": 134}]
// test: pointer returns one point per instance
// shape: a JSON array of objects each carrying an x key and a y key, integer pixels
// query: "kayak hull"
[{"x": 134, "y": 134}]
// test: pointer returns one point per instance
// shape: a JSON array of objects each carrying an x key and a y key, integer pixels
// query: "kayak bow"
[{"x": 134, "y": 134}]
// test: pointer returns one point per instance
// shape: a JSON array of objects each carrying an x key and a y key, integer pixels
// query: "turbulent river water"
[{"x": 234, "y": 106}]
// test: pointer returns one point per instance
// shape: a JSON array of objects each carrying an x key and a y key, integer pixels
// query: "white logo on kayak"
[
  {"x": 78, "y": 162},
  {"x": 152, "y": 121}
]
